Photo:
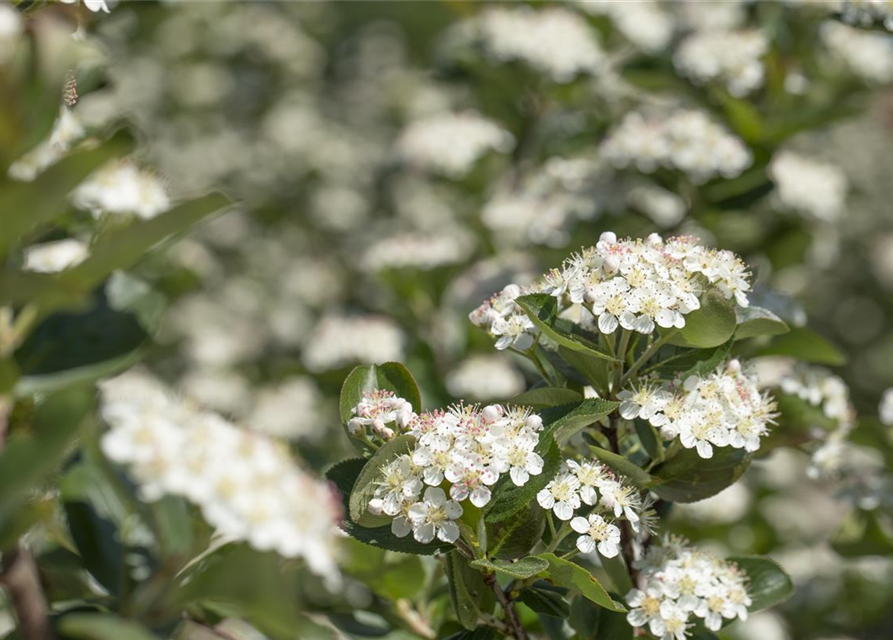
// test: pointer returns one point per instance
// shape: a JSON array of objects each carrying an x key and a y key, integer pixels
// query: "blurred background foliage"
[{"x": 346, "y": 246}]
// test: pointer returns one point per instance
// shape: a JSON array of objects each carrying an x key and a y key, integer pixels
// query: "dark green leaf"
[
  {"x": 768, "y": 583},
  {"x": 522, "y": 568},
  {"x": 709, "y": 326},
  {"x": 468, "y": 593},
  {"x": 545, "y": 397},
  {"x": 622, "y": 466},
  {"x": 807, "y": 346},
  {"x": 343, "y": 475},
  {"x": 564, "y": 421},
  {"x": 756, "y": 321},
  {"x": 687, "y": 477},
  {"x": 515, "y": 537},
  {"x": 545, "y": 602},
  {"x": 98, "y": 542},
  {"x": 864, "y": 533},
  {"x": 542, "y": 309},
  {"x": 595, "y": 371},
  {"x": 565, "y": 573}
]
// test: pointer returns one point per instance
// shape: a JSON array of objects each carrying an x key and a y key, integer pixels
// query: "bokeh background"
[{"x": 394, "y": 163}]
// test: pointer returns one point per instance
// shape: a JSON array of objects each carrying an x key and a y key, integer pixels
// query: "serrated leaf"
[
  {"x": 364, "y": 487},
  {"x": 522, "y": 568},
  {"x": 687, "y": 477},
  {"x": 569, "y": 575},
  {"x": 545, "y": 602},
  {"x": 756, "y": 321},
  {"x": 468, "y": 593},
  {"x": 807, "y": 346},
  {"x": 768, "y": 585},
  {"x": 564, "y": 421},
  {"x": 709, "y": 326},
  {"x": 508, "y": 499},
  {"x": 542, "y": 309},
  {"x": 545, "y": 397},
  {"x": 622, "y": 466},
  {"x": 343, "y": 475},
  {"x": 516, "y": 536}
]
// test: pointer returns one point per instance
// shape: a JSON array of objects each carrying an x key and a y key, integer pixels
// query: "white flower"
[
  {"x": 337, "y": 341},
  {"x": 121, "y": 188},
  {"x": 292, "y": 409},
  {"x": 885, "y": 409},
  {"x": 485, "y": 378},
  {"x": 807, "y": 186},
  {"x": 732, "y": 57},
  {"x": 451, "y": 143},
  {"x": 377, "y": 410},
  {"x": 645, "y": 23},
  {"x": 414, "y": 250},
  {"x": 867, "y": 54},
  {"x": 67, "y": 130},
  {"x": 93, "y": 5},
  {"x": 471, "y": 478},
  {"x": 561, "y": 495},
  {"x": 52, "y": 257},
  {"x": 397, "y": 486},
  {"x": 517, "y": 456},
  {"x": 434, "y": 517},
  {"x": 596, "y": 531},
  {"x": 514, "y": 331},
  {"x": 553, "y": 40}
]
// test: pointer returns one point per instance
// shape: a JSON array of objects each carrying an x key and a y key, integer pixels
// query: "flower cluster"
[
  {"x": 720, "y": 409},
  {"x": 592, "y": 484},
  {"x": 633, "y": 284},
  {"x": 554, "y": 40},
  {"x": 865, "y": 12},
  {"x": 245, "y": 483},
  {"x": 420, "y": 251},
  {"x": 866, "y": 54},
  {"x": 809, "y": 187},
  {"x": 378, "y": 409},
  {"x": 122, "y": 188},
  {"x": 645, "y": 23},
  {"x": 337, "y": 341},
  {"x": 451, "y": 143},
  {"x": 468, "y": 446},
  {"x": 686, "y": 140},
  {"x": 730, "y": 57},
  {"x": 677, "y": 582}
]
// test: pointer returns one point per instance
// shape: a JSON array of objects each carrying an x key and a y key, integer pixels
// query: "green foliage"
[
  {"x": 522, "y": 568},
  {"x": 545, "y": 397},
  {"x": 594, "y": 623},
  {"x": 768, "y": 584},
  {"x": 756, "y": 321},
  {"x": 569, "y": 575},
  {"x": 542, "y": 309},
  {"x": 545, "y": 601},
  {"x": 468, "y": 593},
  {"x": 710, "y": 326},
  {"x": 686, "y": 477},
  {"x": 624, "y": 467},
  {"x": 807, "y": 346}
]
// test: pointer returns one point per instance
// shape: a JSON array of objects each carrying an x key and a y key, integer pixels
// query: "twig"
[
  {"x": 511, "y": 615},
  {"x": 23, "y": 586}
]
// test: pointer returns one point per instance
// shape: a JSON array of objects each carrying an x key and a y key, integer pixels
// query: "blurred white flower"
[
  {"x": 645, "y": 23},
  {"x": 93, "y": 5},
  {"x": 217, "y": 389},
  {"x": 11, "y": 27},
  {"x": 729, "y": 505},
  {"x": 244, "y": 483},
  {"x": 764, "y": 625},
  {"x": 732, "y": 58},
  {"x": 808, "y": 186},
  {"x": 685, "y": 140},
  {"x": 485, "y": 378},
  {"x": 451, "y": 143},
  {"x": 868, "y": 55},
  {"x": 51, "y": 257},
  {"x": 122, "y": 188},
  {"x": 418, "y": 250},
  {"x": 865, "y": 12},
  {"x": 337, "y": 341},
  {"x": 553, "y": 40},
  {"x": 885, "y": 409},
  {"x": 289, "y": 409},
  {"x": 664, "y": 207}
]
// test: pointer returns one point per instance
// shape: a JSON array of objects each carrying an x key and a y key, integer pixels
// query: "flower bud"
[
  {"x": 608, "y": 237},
  {"x": 611, "y": 264},
  {"x": 511, "y": 291},
  {"x": 354, "y": 426},
  {"x": 734, "y": 366},
  {"x": 381, "y": 430},
  {"x": 589, "y": 295},
  {"x": 492, "y": 413},
  {"x": 534, "y": 422}
]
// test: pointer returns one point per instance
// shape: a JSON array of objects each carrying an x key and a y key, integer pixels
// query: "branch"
[
  {"x": 23, "y": 586},
  {"x": 511, "y": 614}
]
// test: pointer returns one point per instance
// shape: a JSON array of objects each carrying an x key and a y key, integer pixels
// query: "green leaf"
[
  {"x": 364, "y": 487},
  {"x": 756, "y": 321},
  {"x": 392, "y": 576},
  {"x": 687, "y": 477},
  {"x": 595, "y": 623},
  {"x": 468, "y": 593},
  {"x": 79, "y": 347},
  {"x": 508, "y": 499},
  {"x": 102, "y": 626},
  {"x": 28, "y": 205},
  {"x": 545, "y": 602},
  {"x": 542, "y": 309},
  {"x": 807, "y": 346},
  {"x": 522, "y": 568},
  {"x": 565, "y": 573},
  {"x": 768, "y": 585},
  {"x": 343, "y": 475},
  {"x": 545, "y": 397},
  {"x": 514, "y": 537},
  {"x": 28, "y": 459},
  {"x": 618, "y": 573},
  {"x": 564, "y": 421},
  {"x": 622, "y": 466},
  {"x": 99, "y": 545},
  {"x": 709, "y": 326},
  {"x": 595, "y": 371},
  {"x": 125, "y": 247}
]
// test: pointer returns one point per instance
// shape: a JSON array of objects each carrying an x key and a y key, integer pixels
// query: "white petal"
[
  {"x": 580, "y": 524},
  {"x": 586, "y": 544}
]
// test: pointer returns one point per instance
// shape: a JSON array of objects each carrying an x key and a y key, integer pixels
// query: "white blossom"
[
  {"x": 808, "y": 186},
  {"x": 93, "y": 5},
  {"x": 730, "y": 57},
  {"x": 556, "y": 41},
  {"x": 419, "y": 251},
  {"x": 485, "y": 377},
  {"x": 885, "y": 409},
  {"x": 337, "y": 341},
  {"x": 379, "y": 408},
  {"x": 434, "y": 517},
  {"x": 451, "y": 143},
  {"x": 120, "y": 187},
  {"x": 597, "y": 532},
  {"x": 868, "y": 55},
  {"x": 52, "y": 257},
  {"x": 644, "y": 23}
]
